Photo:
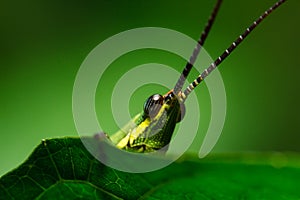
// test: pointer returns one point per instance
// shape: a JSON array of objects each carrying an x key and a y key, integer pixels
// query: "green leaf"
[{"x": 63, "y": 169}]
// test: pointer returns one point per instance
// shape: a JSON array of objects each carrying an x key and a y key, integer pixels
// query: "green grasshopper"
[{"x": 152, "y": 129}]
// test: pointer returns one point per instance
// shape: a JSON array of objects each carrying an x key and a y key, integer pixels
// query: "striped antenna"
[
  {"x": 228, "y": 51},
  {"x": 190, "y": 63}
]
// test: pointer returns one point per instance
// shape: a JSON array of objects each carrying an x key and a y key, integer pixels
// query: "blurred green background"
[{"x": 43, "y": 44}]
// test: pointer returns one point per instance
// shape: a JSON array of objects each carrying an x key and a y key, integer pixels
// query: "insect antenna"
[
  {"x": 190, "y": 63},
  {"x": 228, "y": 51}
]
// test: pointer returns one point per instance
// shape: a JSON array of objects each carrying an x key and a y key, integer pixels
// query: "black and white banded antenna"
[
  {"x": 228, "y": 51},
  {"x": 196, "y": 51}
]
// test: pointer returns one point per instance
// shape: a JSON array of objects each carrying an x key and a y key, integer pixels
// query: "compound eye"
[{"x": 153, "y": 105}]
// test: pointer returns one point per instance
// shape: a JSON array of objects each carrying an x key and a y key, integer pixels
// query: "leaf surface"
[{"x": 64, "y": 169}]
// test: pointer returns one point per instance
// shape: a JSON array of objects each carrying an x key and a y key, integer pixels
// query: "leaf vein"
[
  {"x": 52, "y": 160},
  {"x": 72, "y": 163},
  {"x": 34, "y": 181}
]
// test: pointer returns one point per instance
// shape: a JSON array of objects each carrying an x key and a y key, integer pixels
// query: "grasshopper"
[{"x": 152, "y": 129}]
